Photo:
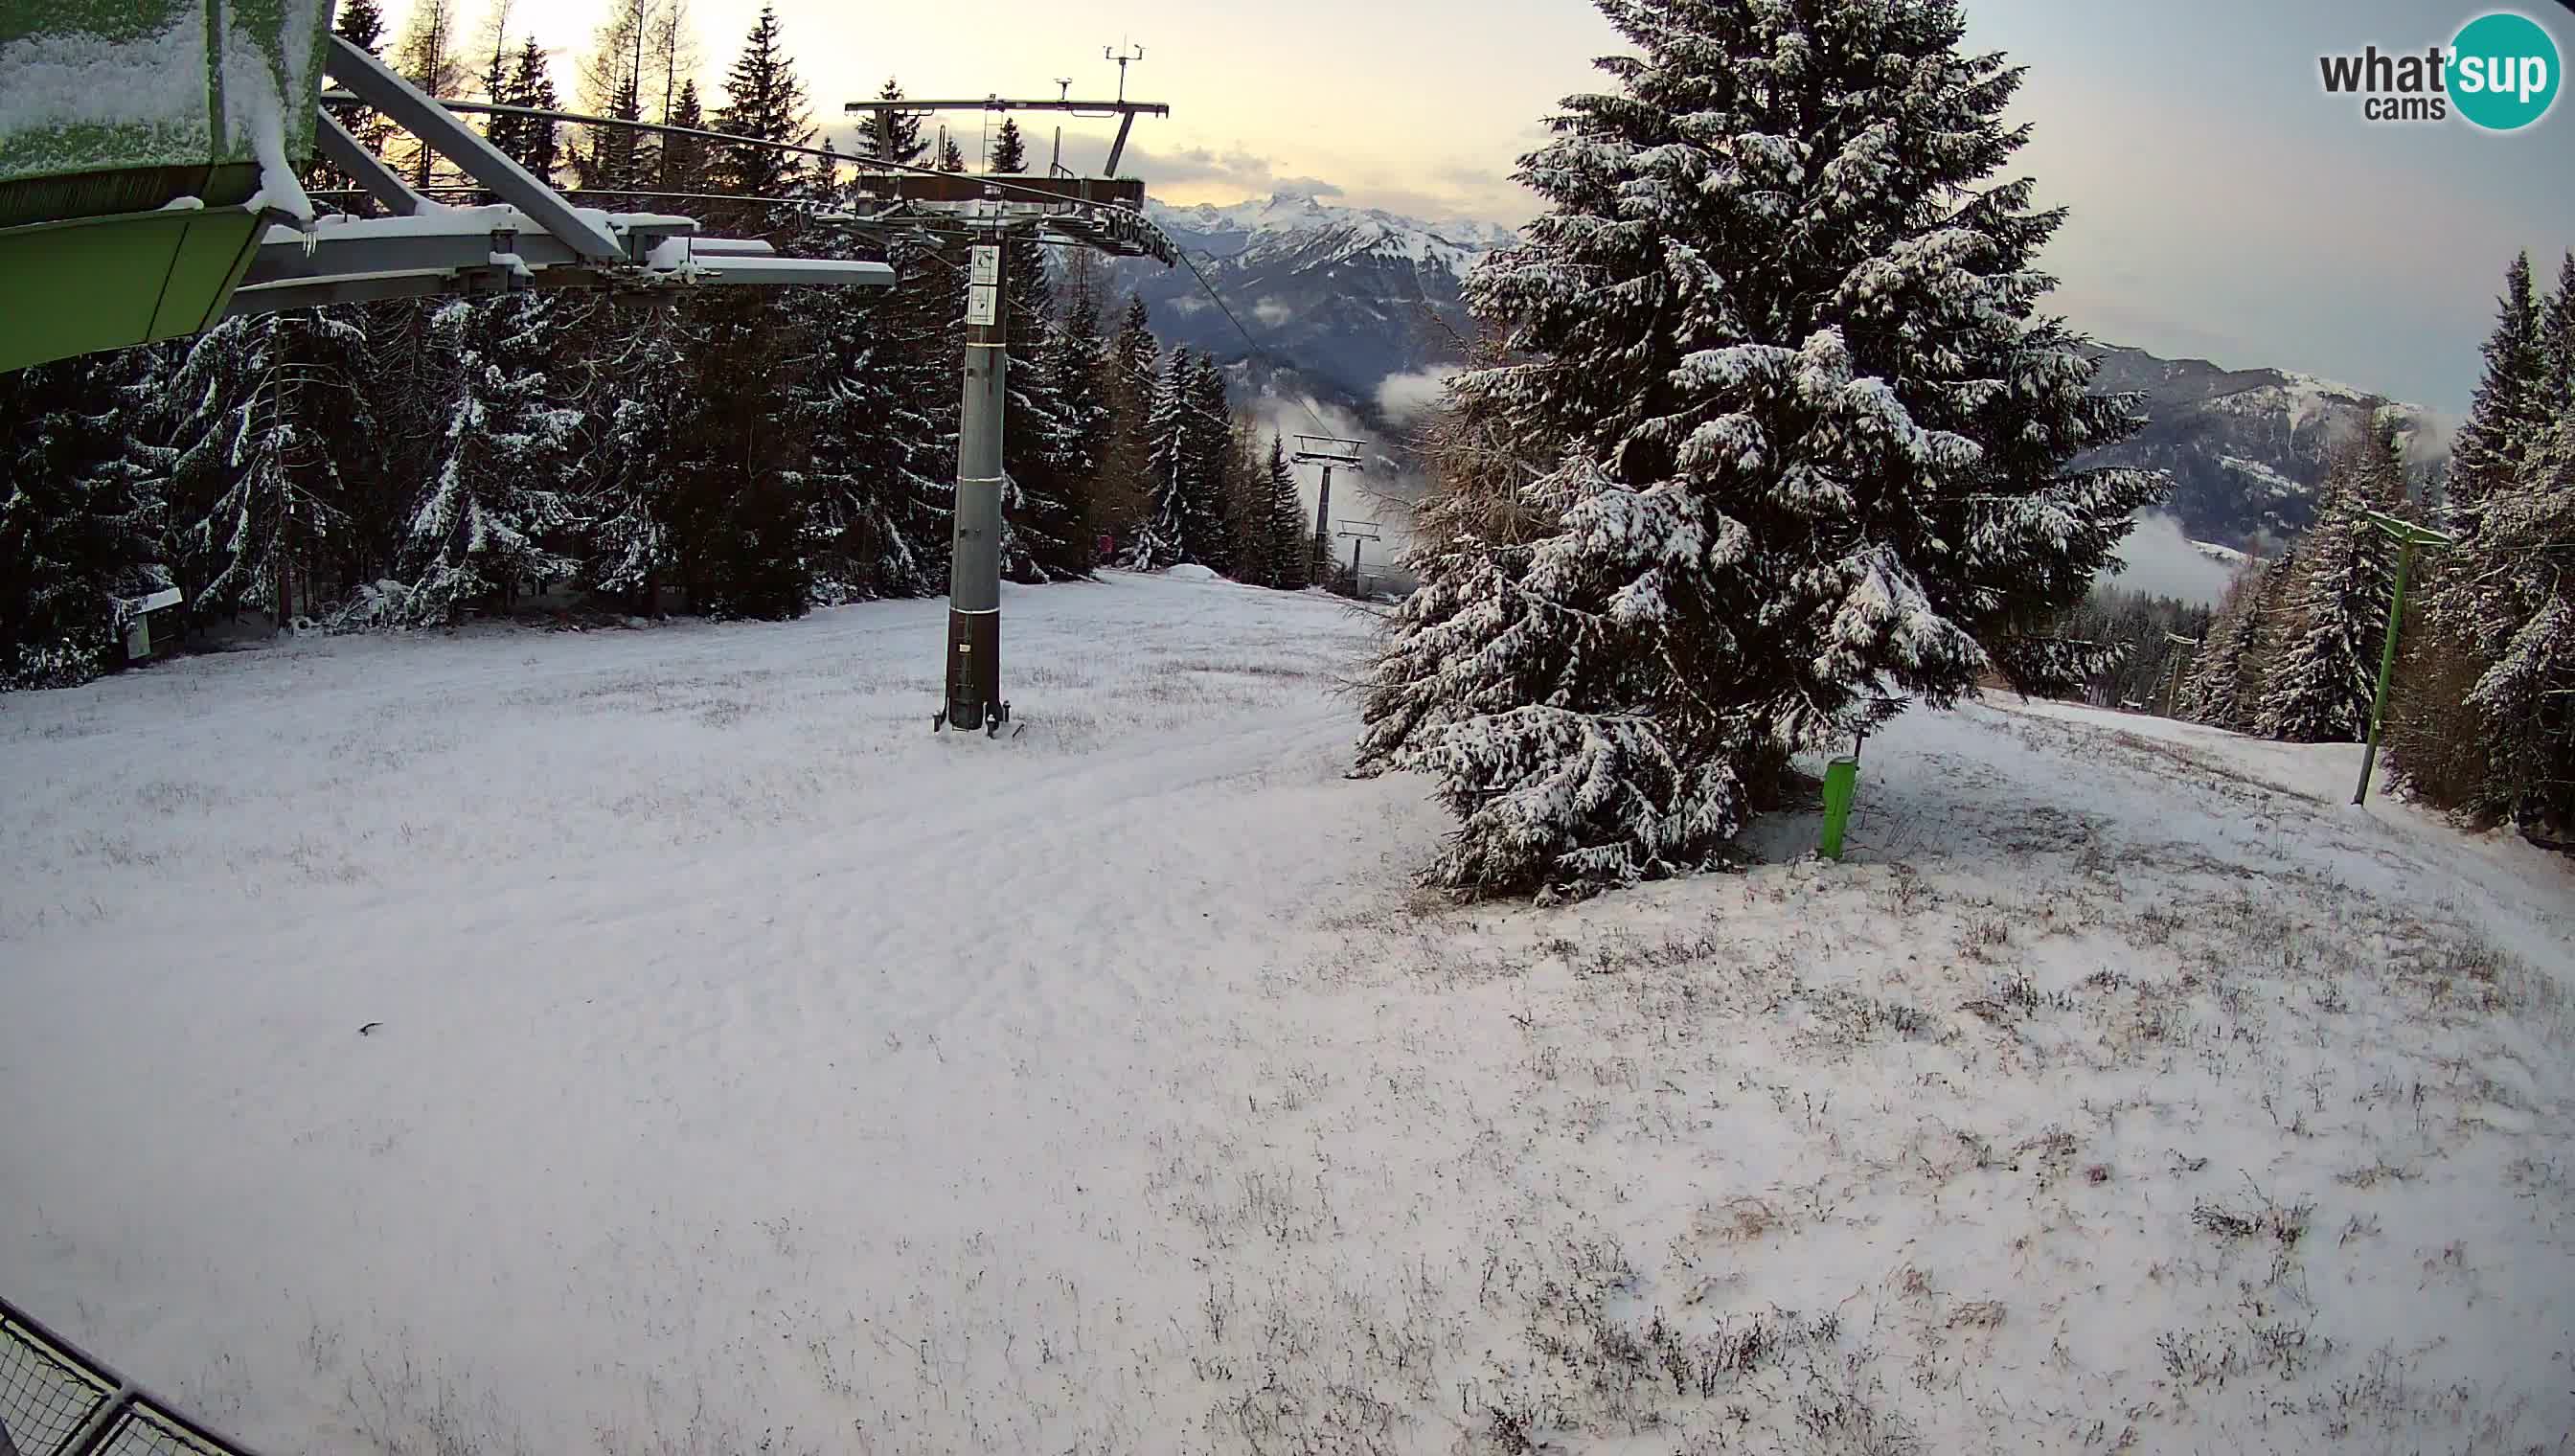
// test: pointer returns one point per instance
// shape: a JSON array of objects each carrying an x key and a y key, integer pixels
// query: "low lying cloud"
[
  {"x": 2161, "y": 562},
  {"x": 1402, "y": 396},
  {"x": 2435, "y": 432},
  {"x": 1272, "y": 312}
]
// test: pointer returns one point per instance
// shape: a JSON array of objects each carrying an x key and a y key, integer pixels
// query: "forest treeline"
[
  {"x": 2481, "y": 707},
  {"x": 732, "y": 451}
]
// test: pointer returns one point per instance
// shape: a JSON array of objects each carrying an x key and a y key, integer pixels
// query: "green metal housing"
[{"x": 131, "y": 161}]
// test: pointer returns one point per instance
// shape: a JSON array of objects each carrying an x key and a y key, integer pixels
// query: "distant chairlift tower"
[
  {"x": 1331, "y": 452},
  {"x": 1359, "y": 534},
  {"x": 1104, "y": 213}
]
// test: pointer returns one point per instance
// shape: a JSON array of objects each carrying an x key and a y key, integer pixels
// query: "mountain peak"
[{"x": 1301, "y": 221}]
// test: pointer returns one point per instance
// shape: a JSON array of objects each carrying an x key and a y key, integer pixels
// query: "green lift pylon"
[{"x": 2407, "y": 537}]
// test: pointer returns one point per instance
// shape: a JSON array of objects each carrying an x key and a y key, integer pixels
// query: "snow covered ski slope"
[{"x": 750, "y": 1070}]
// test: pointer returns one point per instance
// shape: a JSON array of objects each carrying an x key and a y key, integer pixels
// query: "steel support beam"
[
  {"x": 787, "y": 272},
  {"x": 373, "y": 177},
  {"x": 365, "y": 247},
  {"x": 440, "y": 129},
  {"x": 368, "y": 288},
  {"x": 285, "y": 255},
  {"x": 1117, "y": 148},
  {"x": 354, "y": 288}
]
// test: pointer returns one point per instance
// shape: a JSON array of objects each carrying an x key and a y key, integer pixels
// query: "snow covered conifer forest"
[
  {"x": 416, "y": 463},
  {"x": 2481, "y": 711}
]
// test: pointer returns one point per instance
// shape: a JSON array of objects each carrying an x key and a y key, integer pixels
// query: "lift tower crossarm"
[{"x": 1126, "y": 111}]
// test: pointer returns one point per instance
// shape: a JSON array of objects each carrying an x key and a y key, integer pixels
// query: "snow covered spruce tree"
[
  {"x": 2444, "y": 736},
  {"x": 2209, "y": 693},
  {"x": 1209, "y": 535},
  {"x": 1290, "y": 571},
  {"x": 2319, "y": 689},
  {"x": 495, "y": 502},
  {"x": 1122, "y": 500},
  {"x": 79, "y": 517},
  {"x": 870, "y": 511},
  {"x": 270, "y": 431},
  {"x": 1162, "y": 537},
  {"x": 1078, "y": 358},
  {"x": 623, "y": 520},
  {"x": 2506, "y": 417},
  {"x": 2521, "y": 595},
  {"x": 1786, "y": 317},
  {"x": 1245, "y": 500},
  {"x": 1046, "y": 517}
]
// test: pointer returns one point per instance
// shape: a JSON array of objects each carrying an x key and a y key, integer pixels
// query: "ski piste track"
[{"x": 741, "y": 1046}]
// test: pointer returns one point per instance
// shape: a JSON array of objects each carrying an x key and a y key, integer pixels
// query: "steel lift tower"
[
  {"x": 1104, "y": 213},
  {"x": 1331, "y": 452}
]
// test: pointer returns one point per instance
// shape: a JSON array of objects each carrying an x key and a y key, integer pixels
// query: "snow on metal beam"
[
  {"x": 481, "y": 250},
  {"x": 776, "y": 271}
]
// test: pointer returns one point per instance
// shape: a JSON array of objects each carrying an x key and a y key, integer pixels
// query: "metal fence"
[{"x": 57, "y": 1401}]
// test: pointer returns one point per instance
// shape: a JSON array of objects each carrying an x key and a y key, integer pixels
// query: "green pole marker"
[
  {"x": 2407, "y": 536},
  {"x": 1842, "y": 780}
]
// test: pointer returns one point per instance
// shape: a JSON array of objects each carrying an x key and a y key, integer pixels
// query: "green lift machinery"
[{"x": 150, "y": 152}]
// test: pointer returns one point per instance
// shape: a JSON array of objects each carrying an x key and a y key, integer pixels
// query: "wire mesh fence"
[
  {"x": 147, "y": 1430},
  {"x": 57, "y": 1401},
  {"x": 47, "y": 1394}
]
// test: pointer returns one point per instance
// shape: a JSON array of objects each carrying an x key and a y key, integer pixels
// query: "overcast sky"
[{"x": 2224, "y": 206}]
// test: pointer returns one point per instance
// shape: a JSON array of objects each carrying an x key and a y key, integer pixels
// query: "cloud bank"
[
  {"x": 2160, "y": 560},
  {"x": 1404, "y": 396}
]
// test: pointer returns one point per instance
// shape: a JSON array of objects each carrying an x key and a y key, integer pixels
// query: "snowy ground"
[{"x": 754, "y": 1072}]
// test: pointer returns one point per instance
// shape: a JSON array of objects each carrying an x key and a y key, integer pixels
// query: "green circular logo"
[{"x": 2503, "y": 72}]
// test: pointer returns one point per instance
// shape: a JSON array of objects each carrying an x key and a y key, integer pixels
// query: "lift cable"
[
  {"x": 1255, "y": 346},
  {"x": 860, "y": 161}
]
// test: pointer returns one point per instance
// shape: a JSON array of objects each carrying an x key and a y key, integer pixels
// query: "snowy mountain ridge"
[
  {"x": 2248, "y": 447},
  {"x": 1340, "y": 298},
  {"x": 1290, "y": 223},
  {"x": 1346, "y": 299}
]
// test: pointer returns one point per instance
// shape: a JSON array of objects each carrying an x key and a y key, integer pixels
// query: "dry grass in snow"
[{"x": 758, "y": 1073}]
